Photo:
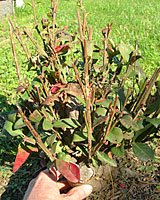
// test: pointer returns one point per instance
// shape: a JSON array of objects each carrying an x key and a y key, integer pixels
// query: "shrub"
[{"x": 85, "y": 101}]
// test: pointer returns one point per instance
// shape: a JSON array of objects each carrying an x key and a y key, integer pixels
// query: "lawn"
[{"x": 131, "y": 19}]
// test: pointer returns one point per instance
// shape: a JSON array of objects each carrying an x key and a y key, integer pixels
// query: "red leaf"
[
  {"x": 56, "y": 87},
  {"x": 22, "y": 155},
  {"x": 69, "y": 170},
  {"x": 122, "y": 185},
  {"x": 61, "y": 49},
  {"x": 75, "y": 169}
]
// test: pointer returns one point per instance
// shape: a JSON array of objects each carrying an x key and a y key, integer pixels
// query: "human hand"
[{"x": 45, "y": 186}]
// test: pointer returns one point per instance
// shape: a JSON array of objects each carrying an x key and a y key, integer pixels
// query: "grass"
[{"x": 131, "y": 20}]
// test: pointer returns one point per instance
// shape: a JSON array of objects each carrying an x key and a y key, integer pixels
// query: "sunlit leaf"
[
  {"x": 35, "y": 116},
  {"x": 115, "y": 136},
  {"x": 19, "y": 124},
  {"x": 101, "y": 111},
  {"x": 57, "y": 147},
  {"x": 47, "y": 125},
  {"x": 12, "y": 116},
  {"x": 66, "y": 123},
  {"x": 8, "y": 126},
  {"x": 51, "y": 139},
  {"x": 64, "y": 156},
  {"x": 106, "y": 159},
  {"x": 125, "y": 50}
]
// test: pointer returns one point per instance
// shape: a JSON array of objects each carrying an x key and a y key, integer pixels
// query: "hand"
[{"x": 46, "y": 187}]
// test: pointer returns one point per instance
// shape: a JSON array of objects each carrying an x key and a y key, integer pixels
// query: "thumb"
[{"x": 79, "y": 192}]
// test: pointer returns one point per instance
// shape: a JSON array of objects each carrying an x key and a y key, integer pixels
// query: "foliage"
[{"x": 85, "y": 101}]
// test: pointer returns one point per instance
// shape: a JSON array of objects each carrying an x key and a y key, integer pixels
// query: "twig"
[
  {"x": 40, "y": 49},
  {"x": 35, "y": 19},
  {"x": 79, "y": 79},
  {"x": 80, "y": 24},
  {"x": 18, "y": 36},
  {"x": 35, "y": 135},
  {"x": 14, "y": 53},
  {"x": 122, "y": 112},
  {"x": 99, "y": 145}
]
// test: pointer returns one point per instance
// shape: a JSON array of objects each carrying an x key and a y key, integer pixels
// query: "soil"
[{"x": 135, "y": 180}]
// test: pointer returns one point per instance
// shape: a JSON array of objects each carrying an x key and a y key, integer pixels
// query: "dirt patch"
[{"x": 135, "y": 180}]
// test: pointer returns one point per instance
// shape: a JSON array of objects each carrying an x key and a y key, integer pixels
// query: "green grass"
[{"x": 130, "y": 19}]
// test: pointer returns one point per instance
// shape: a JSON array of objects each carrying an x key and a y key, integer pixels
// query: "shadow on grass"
[
  {"x": 18, "y": 182},
  {"x": 13, "y": 186}
]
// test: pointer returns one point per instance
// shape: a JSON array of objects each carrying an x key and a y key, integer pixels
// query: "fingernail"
[{"x": 87, "y": 188}]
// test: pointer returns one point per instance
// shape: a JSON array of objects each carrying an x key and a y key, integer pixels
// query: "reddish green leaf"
[
  {"x": 115, "y": 136},
  {"x": 35, "y": 116},
  {"x": 69, "y": 170},
  {"x": 61, "y": 49},
  {"x": 22, "y": 155}
]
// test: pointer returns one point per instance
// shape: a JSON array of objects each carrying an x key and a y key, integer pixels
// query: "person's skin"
[{"x": 46, "y": 187}]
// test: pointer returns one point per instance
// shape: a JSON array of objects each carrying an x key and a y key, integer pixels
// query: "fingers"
[
  {"x": 63, "y": 185},
  {"x": 78, "y": 193}
]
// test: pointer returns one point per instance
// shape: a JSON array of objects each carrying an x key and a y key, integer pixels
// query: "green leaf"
[
  {"x": 143, "y": 152},
  {"x": 36, "y": 82},
  {"x": 81, "y": 100},
  {"x": 95, "y": 162},
  {"x": 115, "y": 136},
  {"x": 125, "y": 50},
  {"x": 127, "y": 122},
  {"x": 19, "y": 124},
  {"x": 142, "y": 133},
  {"x": 25, "y": 96},
  {"x": 121, "y": 97},
  {"x": 101, "y": 111},
  {"x": 128, "y": 135},
  {"x": 79, "y": 136},
  {"x": 51, "y": 139},
  {"x": 106, "y": 159},
  {"x": 99, "y": 121},
  {"x": 64, "y": 156},
  {"x": 47, "y": 125},
  {"x": 57, "y": 147},
  {"x": 104, "y": 103},
  {"x": 154, "y": 121},
  {"x": 82, "y": 149},
  {"x": 8, "y": 127},
  {"x": 118, "y": 151},
  {"x": 66, "y": 123},
  {"x": 12, "y": 116},
  {"x": 35, "y": 116}
]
